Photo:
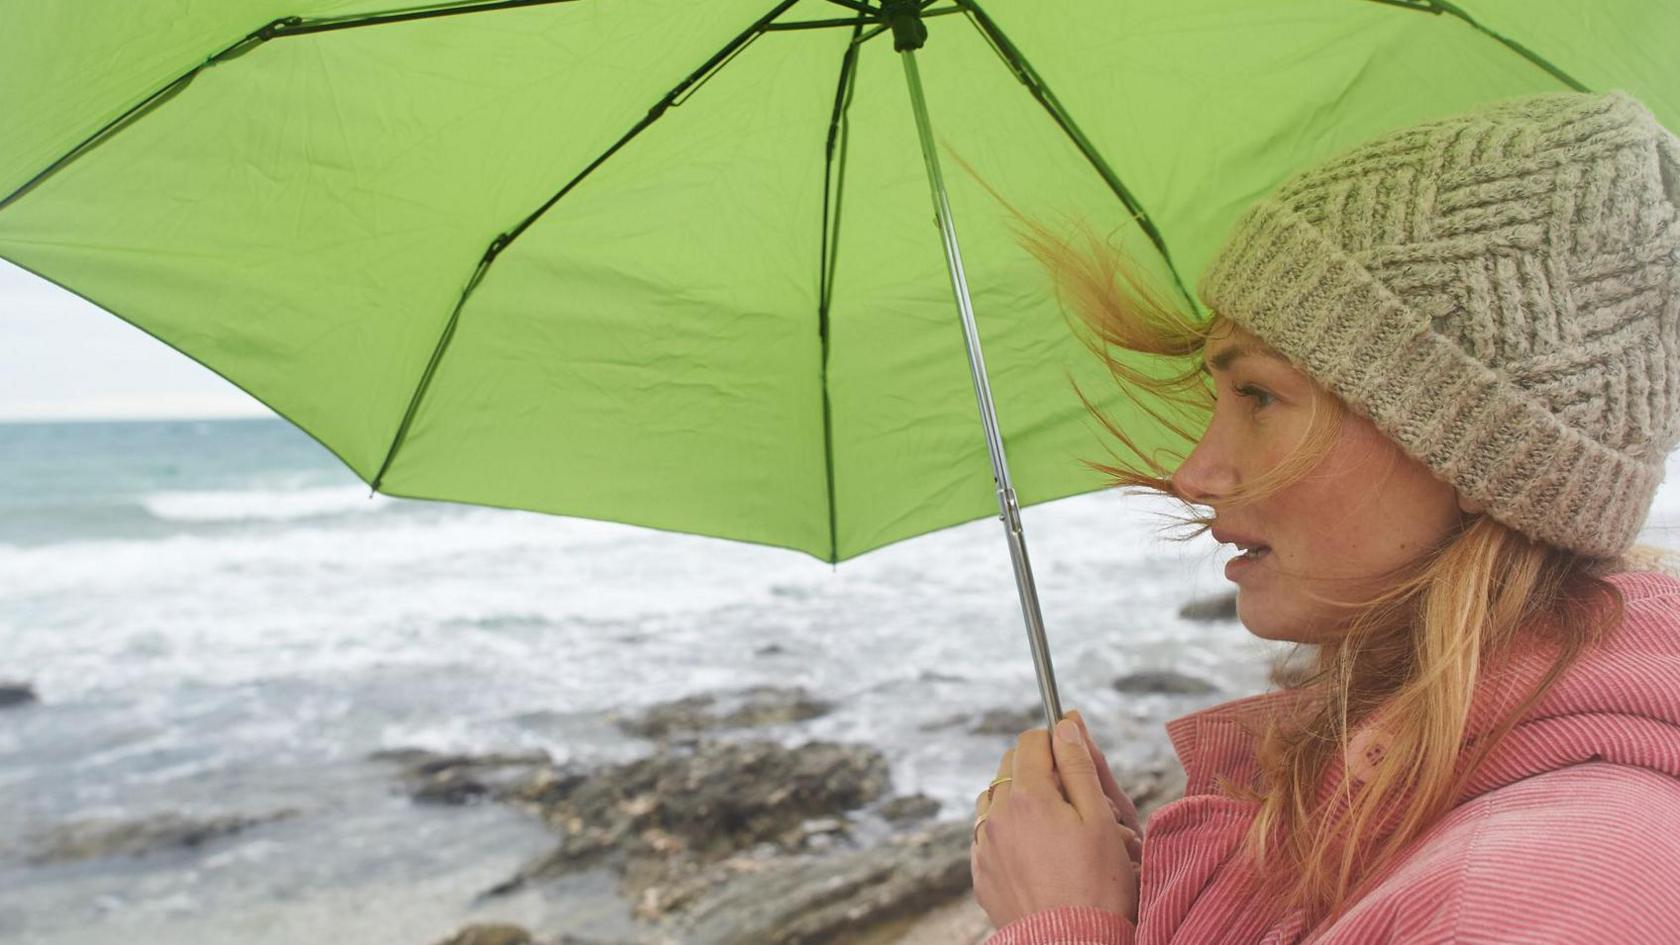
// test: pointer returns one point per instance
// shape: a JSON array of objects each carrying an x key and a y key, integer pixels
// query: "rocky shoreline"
[
  {"x": 716, "y": 835},
  {"x": 747, "y": 841}
]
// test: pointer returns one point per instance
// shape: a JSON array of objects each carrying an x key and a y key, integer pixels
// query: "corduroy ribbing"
[{"x": 1069, "y": 925}]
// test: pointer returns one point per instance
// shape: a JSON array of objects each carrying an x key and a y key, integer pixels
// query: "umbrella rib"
[
  {"x": 834, "y": 185},
  {"x": 816, "y": 24},
  {"x": 809, "y": 24},
  {"x": 1041, "y": 92},
  {"x": 146, "y": 105},
  {"x": 1439, "y": 7},
  {"x": 349, "y": 21},
  {"x": 693, "y": 81}
]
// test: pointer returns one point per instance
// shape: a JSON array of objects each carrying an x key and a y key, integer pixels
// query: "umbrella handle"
[{"x": 1009, "y": 510}]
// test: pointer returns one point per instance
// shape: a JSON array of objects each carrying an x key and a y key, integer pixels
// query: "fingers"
[
  {"x": 1079, "y": 773},
  {"x": 1125, "y": 811},
  {"x": 984, "y": 800},
  {"x": 1034, "y": 764},
  {"x": 998, "y": 792}
]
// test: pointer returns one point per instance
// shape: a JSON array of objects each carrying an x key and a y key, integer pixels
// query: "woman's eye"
[{"x": 1260, "y": 397}]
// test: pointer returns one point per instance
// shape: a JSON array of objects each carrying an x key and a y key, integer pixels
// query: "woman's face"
[{"x": 1365, "y": 509}]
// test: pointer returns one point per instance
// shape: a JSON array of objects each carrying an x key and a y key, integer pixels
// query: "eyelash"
[
  {"x": 1260, "y": 397},
  {"x": 1249, "y": 390}
]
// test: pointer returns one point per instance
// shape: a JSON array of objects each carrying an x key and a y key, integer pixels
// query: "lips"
[{"x": 1250, "y": 544}]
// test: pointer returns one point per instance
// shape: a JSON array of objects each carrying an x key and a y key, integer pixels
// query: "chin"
[{"x": 1267, "y": 626}]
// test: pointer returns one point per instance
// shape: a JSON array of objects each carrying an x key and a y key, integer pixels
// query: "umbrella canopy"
[{"x": 673, "y": 263}]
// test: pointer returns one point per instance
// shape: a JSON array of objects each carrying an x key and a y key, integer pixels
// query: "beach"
[{"x": 219, "y": 624}]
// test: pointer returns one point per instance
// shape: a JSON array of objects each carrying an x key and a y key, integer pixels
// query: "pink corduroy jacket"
[{"x": 1570, "y": 832}]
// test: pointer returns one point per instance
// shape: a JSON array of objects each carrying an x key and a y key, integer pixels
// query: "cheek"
[
  {"x": 1367, "y": 508},
  {"x": 1322, "y": 528}
]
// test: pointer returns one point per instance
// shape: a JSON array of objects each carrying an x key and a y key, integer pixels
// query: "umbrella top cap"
[
  {"x": 905, "y": 18},
  {"x": 1497, "y": 291}
]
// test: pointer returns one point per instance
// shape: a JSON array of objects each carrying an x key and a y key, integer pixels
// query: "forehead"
[{"x": 1230, "y": 342}]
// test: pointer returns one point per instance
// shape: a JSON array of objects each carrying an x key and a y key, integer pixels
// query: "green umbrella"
[{"x": 671, "y": 263}]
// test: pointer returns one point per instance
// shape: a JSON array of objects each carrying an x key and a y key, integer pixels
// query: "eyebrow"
[{"x": 1222, "y": 360}]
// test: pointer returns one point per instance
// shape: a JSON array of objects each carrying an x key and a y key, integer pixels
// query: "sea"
[{"x": 220, "y": 620}]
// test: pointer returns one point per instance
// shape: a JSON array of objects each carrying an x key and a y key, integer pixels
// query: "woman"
[{"x": 1444, "y": 371}]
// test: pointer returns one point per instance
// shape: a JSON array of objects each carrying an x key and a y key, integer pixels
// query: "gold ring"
[
  {"x": 995, "y": 782},
  {"x": 977, "y": 822}
]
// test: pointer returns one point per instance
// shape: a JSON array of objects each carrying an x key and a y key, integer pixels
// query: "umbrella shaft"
[{"x": 1009, "y": 510}]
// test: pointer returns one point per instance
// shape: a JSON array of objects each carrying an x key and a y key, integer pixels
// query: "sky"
[{"x": 62, "y": 358}]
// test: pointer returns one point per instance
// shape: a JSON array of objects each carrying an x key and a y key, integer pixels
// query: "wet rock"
[
  {"x": 1217, "y": 607},
  {"x": 1009, "y": 722},
  {"x": 16, "y": 694},
  {"x": 810, "y": 900},
  {"x": 959, "y": 921},
  {"x": 402, "y": 756},
  {"x": 103, "y": 837},
  {"x": 459, "y": 779},
  {"x": 660, "y": 821},
  {"x": 770, "y": 649},
  {"x": 451, "y": 787},
  {"x": 757, "y": 705},
  {"x": 544, "y": 786},
  {"x": 490, "y": 934},
  {"x": 909, "y": 807},
  {"x": 949, "y": 721},
  {"x": 434, "y": 763},
  {"x": 1166, "y": 681},
  {"x": 498, "y": 933},
  {"x": 821, "y": 834},
  {"x": 750, "y": 841}
]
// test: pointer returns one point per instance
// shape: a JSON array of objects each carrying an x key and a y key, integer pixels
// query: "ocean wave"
[
  {"x": 263, "y": 505},
  {"x": 390, "y": 567}
]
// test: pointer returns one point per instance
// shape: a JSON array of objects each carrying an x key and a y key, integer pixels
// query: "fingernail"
[{"x": 1068, "y": 731}]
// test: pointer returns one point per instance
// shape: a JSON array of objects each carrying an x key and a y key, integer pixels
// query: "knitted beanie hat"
[{"x": 1499, "y": 292}]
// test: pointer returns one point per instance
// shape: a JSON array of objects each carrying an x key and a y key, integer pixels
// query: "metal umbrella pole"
[{"x": 908, "y": 34}]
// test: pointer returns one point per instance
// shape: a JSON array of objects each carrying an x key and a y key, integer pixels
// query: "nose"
[{"x": 1206, "y": 474}]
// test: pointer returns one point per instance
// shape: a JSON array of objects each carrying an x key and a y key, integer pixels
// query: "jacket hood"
[{"x": 1619, "y": 703}]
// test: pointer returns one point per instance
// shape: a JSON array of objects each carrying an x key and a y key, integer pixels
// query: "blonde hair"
[{"x": 1415, "y": 650}]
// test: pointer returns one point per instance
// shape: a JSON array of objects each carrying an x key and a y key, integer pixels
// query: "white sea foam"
[{"x": 263, "y": 505}]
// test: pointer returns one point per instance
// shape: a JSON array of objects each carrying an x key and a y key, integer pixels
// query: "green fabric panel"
[
  {"x": 648, "y": 351},
  {"x": 68, "y": 68},
  {"x": 1613, "y": 44}
]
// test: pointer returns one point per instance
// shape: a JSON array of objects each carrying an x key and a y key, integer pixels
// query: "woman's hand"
[
  {"x": 1050, "y": 835},
  {"x": 1124, "y": 810}
]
